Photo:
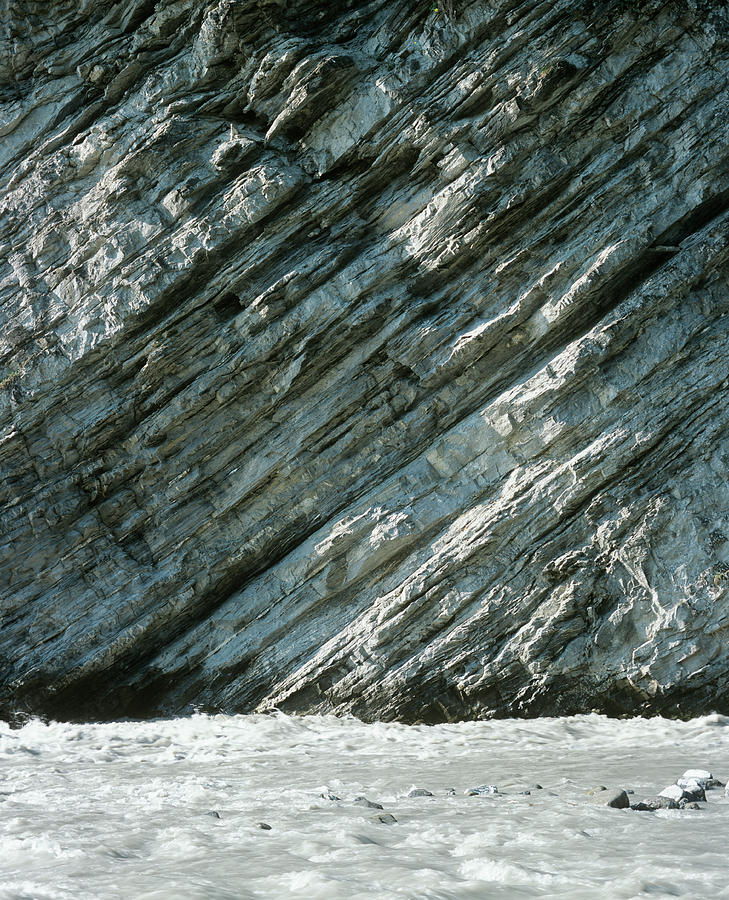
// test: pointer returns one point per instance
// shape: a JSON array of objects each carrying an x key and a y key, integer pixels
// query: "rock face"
[{"x": 363, "y": 357}]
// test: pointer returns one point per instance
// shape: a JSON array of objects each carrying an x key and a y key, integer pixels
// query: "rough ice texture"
[{"x": 362, "y": 358}]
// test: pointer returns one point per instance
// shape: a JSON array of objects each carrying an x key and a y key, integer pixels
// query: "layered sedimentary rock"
[{"x": 363, "y": 357}]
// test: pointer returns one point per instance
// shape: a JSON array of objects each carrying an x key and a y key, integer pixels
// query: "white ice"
[{"x": 122, "y": 810}]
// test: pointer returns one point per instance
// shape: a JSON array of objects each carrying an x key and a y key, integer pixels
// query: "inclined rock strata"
[{"x": 370, "y": 360}]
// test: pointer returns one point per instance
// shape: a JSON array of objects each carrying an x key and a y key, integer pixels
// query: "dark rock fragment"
[
  {"x": 616, "y": 799},
  {"x": 385, "y": 819},
  {"x": 674, "y": 792},
  {"x": 690, "y": 777},
  {"x": 654, "y": 803},
  {"x": 419, "y": 792},
  {"x": 696, "y": 793},
  {"x": 363, "y": 801},
  {"x": 481, "y": 790}
]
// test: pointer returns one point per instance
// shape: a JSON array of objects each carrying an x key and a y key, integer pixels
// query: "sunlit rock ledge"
[{"x": 364, "y": 358}]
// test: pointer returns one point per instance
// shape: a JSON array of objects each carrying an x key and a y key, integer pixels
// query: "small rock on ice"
[
  {"x": 481, "y": 789},
  {"x": 385, "y": 819},
  {"x": 693, "y": 790},
  {"x": 653, "y": 803},
  {"x": 363, "y": 801},
  {"x": 704, "y": 780},
  {"x": 616, "y": 799},
  {"x": 674, "y": 792},
  {"x": 701, "y": 775},
  {"x": 419, "y": 792}
]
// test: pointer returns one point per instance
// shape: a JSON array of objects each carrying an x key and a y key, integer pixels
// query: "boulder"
[
  {"x": 385, "y": 819},
  {"x": 653, "y": 803},
  {"x": 675, "y": 793},
  {"x": 481, "y": 790},
  {"x": 703, "y": 776},
  {"x": 693, "y": 790},
  {"x": 615, "y": 799},
  {"x": 369, "y": 804},
  {"x": 697, "y": 782}
]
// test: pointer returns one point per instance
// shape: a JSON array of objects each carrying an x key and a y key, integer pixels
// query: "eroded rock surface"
[{"x": 363, "y": 358}]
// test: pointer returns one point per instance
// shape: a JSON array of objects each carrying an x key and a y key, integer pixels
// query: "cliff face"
[{"x": 362, "y": 357}]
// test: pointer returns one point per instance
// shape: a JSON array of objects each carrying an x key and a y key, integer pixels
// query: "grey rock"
[
  {"x": 676, "y": 793},
  {"x": 413, "y": 361},
  {"x": 615, "y": 799},
  {"x": 213, "y": 814},
  {"x": 688, "y": 804},
  {"x": 693, "y": 790},
  {"x": 653, "y": 803},
  {"x": 481, "y": 790},
  {"x": 702, "y": 776},
  {"x": 233, "y": 153},
  {"x": 419, "y": 792},
  {"x": 695, "y": 782},
  {"x": 264, "y": 826},
  {"x": 369, "y": 804},
  {"x": 385, "y": 819}
]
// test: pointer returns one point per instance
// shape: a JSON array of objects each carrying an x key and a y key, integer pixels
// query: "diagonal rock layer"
[{"x": 364, "y": 357}]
